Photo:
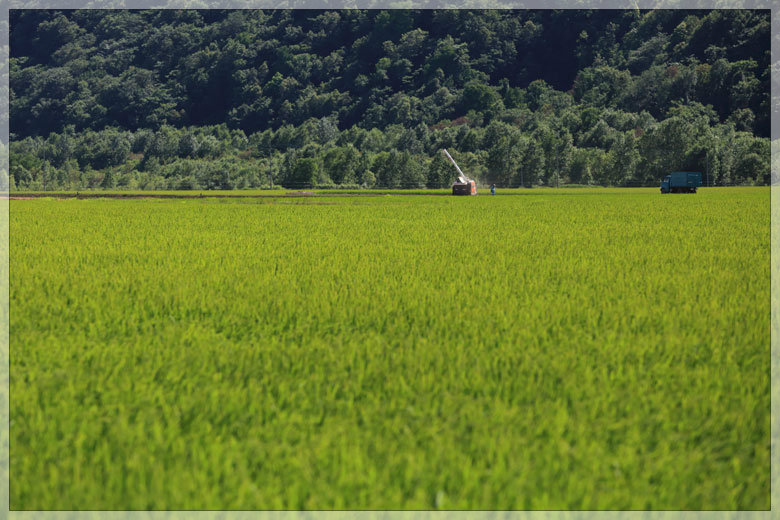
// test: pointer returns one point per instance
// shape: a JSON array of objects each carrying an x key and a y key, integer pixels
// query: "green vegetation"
[
  {"x": 576, "y": 349},
  {"x": 189, "y": 99}
]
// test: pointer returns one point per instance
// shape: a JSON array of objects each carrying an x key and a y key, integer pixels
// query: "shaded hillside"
[{"x": 280, "y": 86}]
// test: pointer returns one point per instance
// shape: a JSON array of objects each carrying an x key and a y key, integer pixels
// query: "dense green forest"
[{"x": 190, "y": 99}]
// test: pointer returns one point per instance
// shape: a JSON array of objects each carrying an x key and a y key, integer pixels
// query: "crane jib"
[{"x": 462, "y": 178}]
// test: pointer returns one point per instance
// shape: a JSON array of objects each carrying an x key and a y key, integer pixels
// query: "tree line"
[{"x": 246, "y": 99}]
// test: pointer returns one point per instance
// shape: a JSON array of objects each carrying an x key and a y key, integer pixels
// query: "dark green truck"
[{"x": 681, "y": 182}]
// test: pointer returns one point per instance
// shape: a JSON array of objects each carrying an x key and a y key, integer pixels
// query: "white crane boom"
[{"x": 462, "y": 178}]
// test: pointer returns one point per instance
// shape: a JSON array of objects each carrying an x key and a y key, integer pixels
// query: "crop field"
[{"x": 582, "y": 349}]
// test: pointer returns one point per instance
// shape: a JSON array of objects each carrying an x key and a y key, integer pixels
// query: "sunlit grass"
[{"x": 569, "y": 350}]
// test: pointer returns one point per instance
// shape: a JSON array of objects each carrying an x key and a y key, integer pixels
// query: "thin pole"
[{"x": 453, "y": 162}]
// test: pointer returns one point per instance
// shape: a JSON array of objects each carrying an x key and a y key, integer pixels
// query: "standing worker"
[{"x": 492, "y": 189}]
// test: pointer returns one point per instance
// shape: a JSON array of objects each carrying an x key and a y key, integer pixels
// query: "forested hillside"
[{"x": 236, "y": 99}]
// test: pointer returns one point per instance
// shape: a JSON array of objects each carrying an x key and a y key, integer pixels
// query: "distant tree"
[
  {"x": 601, "y": 86},
  {"x": 411, "y": 172},
  {"x": 532, "y": 165},
  {"x": 188, "y": 145},
  {"x": 557, "y": 147},
  {"x": 580, "y": 171},
  {"x": 164, "y": 145},
  {"x": 368, "y": 179},
  {"x": 385, "y": 167},
  {"x": 624, "y": 157},
  {"x": 325, "y": 130},
  {"x": 342, "y": 164},
  {"x": 743, "y": 119},
  {"x": 304, "y": 174},
  {"x": 503, "y": 159},
  {"x": 481, "y": 98},
  {"x": 109, "y": 179},
  {"x": 208, "y": 146},
  {"x": 754, "y": 169},
  {"x": 440, "y": 172}
]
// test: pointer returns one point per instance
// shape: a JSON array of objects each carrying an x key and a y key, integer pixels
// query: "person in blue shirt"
[{"x": 492, "y": 189}]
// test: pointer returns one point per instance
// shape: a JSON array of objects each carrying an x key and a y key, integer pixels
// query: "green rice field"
[{"x": 539, "y": 349}]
